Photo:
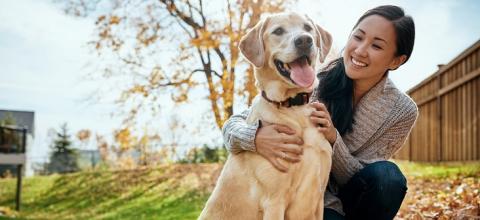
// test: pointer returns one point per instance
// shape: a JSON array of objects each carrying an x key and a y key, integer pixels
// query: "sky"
[{"x": 44, "y": 57}]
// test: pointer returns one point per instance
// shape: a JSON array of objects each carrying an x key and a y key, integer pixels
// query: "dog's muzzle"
[
  {"x": 304, "y": 44},
  {"x": 300, "y": 71}
]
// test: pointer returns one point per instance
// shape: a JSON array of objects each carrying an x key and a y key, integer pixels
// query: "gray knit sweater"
[{"x": 383, "y": 119}]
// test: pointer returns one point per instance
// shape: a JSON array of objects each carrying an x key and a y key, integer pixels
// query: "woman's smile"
[{"x": 358, "y": 64}]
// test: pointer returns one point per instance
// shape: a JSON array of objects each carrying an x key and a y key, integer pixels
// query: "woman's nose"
[{"x": 361, "y": 50}]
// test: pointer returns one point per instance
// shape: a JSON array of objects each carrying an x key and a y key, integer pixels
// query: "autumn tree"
[
  {"x": 125, "y": 141},
  {"x": 173, "y": 47}
]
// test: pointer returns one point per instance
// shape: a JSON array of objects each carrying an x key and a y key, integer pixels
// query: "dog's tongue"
[{"x": 301, "y": 73}]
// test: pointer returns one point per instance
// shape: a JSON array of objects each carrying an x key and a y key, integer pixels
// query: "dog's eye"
[
  {"x": 278, "y": 31},
  {"x": 307, "y": 27}
]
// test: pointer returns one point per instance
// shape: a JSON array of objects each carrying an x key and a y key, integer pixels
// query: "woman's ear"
[
  {"x": 397, "y": 62},
  {"x": 251, "y": 44}
]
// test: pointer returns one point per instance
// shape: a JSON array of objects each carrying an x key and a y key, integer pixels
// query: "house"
[{"x": 18, "y": 119}]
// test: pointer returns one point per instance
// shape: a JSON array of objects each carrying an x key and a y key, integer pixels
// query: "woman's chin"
[{"x": 353, "y": 73}]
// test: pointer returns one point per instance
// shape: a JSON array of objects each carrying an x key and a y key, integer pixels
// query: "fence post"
[
  {"x": 19, "y": 187},
  {"x": 19, "y": 170},
  {"x": 410, "y": 146},
  {"x": 439, "y": 116}
]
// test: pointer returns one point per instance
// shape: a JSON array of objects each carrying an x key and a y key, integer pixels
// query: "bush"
[{"x": 205, "y": 154}]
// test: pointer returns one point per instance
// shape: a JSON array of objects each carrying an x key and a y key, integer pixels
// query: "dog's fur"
[{"x": 249, "y": 187}]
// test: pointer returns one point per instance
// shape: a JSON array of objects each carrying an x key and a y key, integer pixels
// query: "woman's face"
[{"x": 371, "y": 48}]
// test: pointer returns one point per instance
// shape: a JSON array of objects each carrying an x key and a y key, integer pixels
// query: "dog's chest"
[{"x": 295, "y": 117}]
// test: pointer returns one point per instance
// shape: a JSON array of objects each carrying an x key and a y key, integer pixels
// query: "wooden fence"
[{"x": 447, "y": 128}]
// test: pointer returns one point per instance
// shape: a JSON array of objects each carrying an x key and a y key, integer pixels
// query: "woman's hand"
[
  {"x": 321, "y": 117},
  {"x": 274, "y": 141}
]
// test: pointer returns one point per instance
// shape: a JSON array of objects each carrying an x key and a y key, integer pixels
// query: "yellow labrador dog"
[{"x": 284, "y": 48}]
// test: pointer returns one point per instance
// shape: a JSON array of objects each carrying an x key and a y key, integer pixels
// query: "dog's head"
[{"x": 285, "y": 48}]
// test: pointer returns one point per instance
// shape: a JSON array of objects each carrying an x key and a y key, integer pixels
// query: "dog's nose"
[{"x": 303, "y": 42}]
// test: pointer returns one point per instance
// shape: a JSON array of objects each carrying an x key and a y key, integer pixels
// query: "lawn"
[
  {"x": 179, "y": 192},
  {"x": 167, "y": 192}
]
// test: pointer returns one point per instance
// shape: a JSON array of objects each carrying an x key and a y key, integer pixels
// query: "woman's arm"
[
  {"x": 271, "y": 141},
  {"x": 239, "y": 136},
  {"x": 345, "y": 165}
]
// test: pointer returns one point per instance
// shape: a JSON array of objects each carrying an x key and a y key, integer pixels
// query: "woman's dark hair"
[
  {"x": 336, "y": 88},
  {"x": 336, "y": 91}
]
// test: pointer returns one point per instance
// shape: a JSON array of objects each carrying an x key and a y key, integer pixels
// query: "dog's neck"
[
  {"x": 299, "y": 99},
  {"x": 276, "y": 91}
]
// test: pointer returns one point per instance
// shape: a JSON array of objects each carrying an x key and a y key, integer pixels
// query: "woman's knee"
[
  {"x": 378, "y": 186},
  {"x": 386, "y": 178},
  {"x": 386, "y": 172}
]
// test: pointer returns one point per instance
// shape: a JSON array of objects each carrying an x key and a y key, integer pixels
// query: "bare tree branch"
[
  {"x": 204, "y": 20},
  {"x": 203, "y": 70},
  {"x": 171, "y": 7}
]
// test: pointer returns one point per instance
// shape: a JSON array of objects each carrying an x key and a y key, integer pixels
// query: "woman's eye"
[
  {"x": 376, "y": 47},
  {"x": 278, "y": 31},
  {"x": 307, "y": 27},
  {"x": 356, "y": 37}
]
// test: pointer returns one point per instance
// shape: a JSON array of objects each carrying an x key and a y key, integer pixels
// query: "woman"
[{"x": 360, "y": 112}]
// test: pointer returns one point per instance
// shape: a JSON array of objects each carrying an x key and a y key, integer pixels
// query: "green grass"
[
  {"x": 167, "y": 192},
  {"x": 439, "y": 170}
]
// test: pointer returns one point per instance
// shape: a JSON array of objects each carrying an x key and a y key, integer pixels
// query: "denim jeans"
[{"x": 375, "y": 192}]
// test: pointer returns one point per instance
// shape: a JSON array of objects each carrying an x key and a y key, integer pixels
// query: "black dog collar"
[{"x": 299, "y": 99}]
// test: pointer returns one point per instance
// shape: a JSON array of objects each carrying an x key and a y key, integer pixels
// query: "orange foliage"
[
  {"x": 83, "y": 135},
  {"x": 124, "y": 138},
  {"x": 455, "y": 197},
  {"x": 205, "y": 40}
]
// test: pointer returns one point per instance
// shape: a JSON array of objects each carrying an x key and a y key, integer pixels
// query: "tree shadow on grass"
[
  {"x": 185, "y": 206},
  {"x": 83, "y": 192}
]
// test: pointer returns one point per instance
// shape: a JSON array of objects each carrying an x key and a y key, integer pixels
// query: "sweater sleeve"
[
  {"x": 345, "y": 165},
  {"x": 239, "y": 136}
]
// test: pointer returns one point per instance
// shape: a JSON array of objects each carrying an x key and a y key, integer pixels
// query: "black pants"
[{"x": 375, "y": 192}]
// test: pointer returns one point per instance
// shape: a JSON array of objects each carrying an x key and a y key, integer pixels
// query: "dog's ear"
[
  {"x": 323, "y": 40},
  {"x": 251, "y": 44}
]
